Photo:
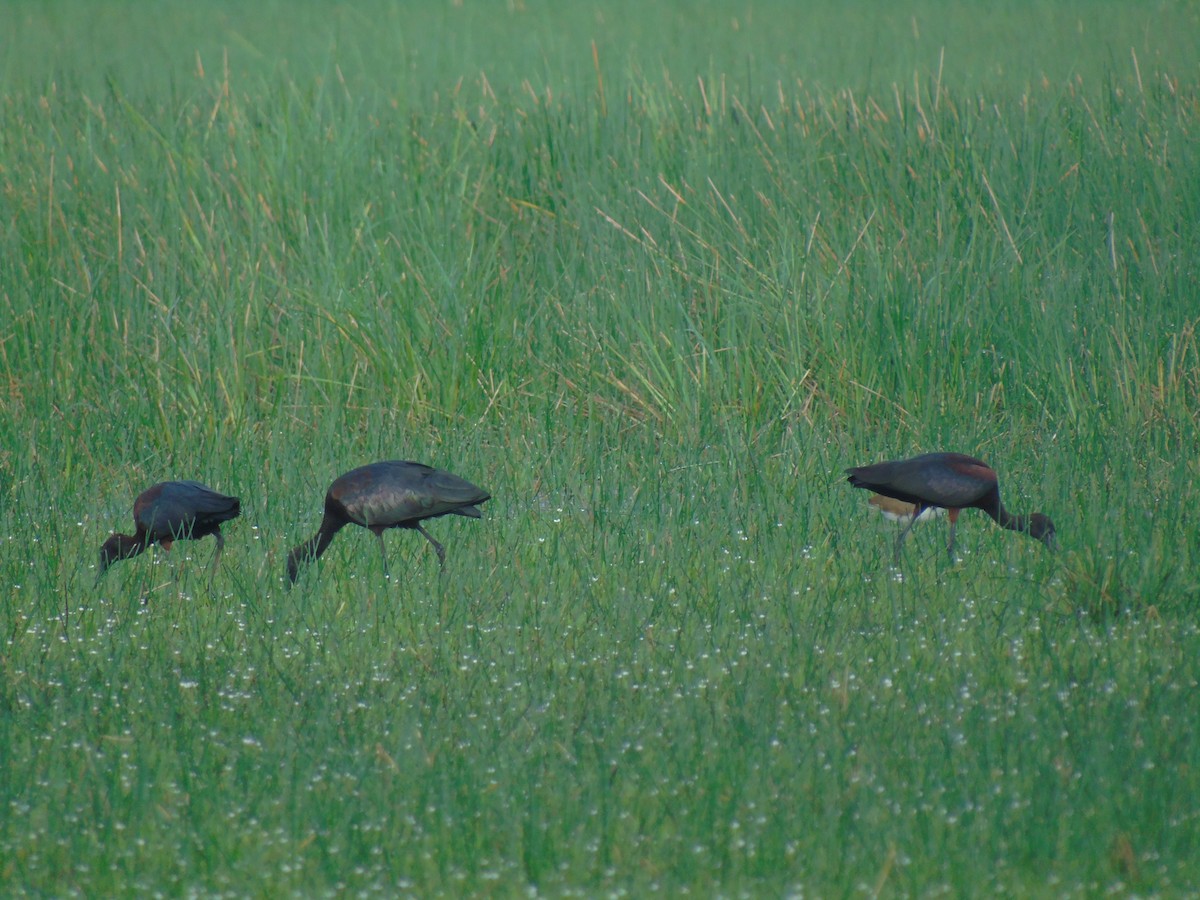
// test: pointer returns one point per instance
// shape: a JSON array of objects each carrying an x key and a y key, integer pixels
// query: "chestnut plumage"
[
  {"x": 172, "y": 511},
  {"x": 950, "y": 481}
]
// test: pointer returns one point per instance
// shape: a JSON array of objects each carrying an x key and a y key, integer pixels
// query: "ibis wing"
[
  {"x": 933, "y": 479},
  {"x": 946, "y": 487},
  {"x": 176, "y": 508},
  {"x": 203, "y": 499},
  {"x": 390, "y": 493}
]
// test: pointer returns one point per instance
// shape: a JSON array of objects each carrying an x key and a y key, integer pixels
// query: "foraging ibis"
[
  {"x": 392, "y": 494},
  {"x": 950, "y": 481},
  {"x": 172, "y": 511}
]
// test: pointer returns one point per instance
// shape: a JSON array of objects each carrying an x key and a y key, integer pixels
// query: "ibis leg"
[
  {"x": 953, "y": 527},
  {"x": 383, "y": 553},
  {"x": 904, "y": 533},
  {"x": 212, "y": 567},
  {"x": 441, "y": 551}
]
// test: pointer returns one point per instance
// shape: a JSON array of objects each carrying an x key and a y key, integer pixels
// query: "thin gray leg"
[
  {"x": 441, "y": 551},
  {"x": 212, "y": 567},
  {"x": 904, "y": 533},
  {"x": 383, "y": 553}
]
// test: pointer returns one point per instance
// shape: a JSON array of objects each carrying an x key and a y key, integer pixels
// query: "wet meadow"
[{"x": 654, "y": 275}]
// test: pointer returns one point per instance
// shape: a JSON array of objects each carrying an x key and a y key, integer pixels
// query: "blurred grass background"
[{"x": 653, "y": 275}]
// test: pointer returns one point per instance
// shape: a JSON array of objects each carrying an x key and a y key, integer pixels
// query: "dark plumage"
[
  {"x": 951, "y": 481},
  {"x": 383, "y": 495},
  {"x": 172, "y": 511}
]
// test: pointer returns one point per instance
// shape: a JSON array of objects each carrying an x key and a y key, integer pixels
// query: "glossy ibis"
[
  {"x": 392, "y": 494},
  {"x": 172, "y": 511},
  {"x": 950, "y": 481}
]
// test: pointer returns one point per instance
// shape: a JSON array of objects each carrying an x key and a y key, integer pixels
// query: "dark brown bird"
[
  {"x": 383, "y": 495},
  {"x": 950, "y": 481},
  {"x": 172, "y": 511}
]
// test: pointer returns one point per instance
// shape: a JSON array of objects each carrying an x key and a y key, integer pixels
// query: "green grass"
[{"x": 653, "y": 274}]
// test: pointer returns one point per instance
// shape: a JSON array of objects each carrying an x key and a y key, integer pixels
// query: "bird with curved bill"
[
  {"x": 949, "y": 481},
  {"x": 172, "y": 511},
  {"x": 390, "y": 494}
]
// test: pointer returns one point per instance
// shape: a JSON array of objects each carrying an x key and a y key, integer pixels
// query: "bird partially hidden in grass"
[
  {"x": 950, "y": 481},
  {"x": 391, "y": 494},
  {"x": 172, "y": 511},
  {"x": 899, "y": 511}
]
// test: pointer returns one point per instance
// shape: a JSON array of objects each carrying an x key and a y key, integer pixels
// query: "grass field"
[{"x": 654, "y": 275}]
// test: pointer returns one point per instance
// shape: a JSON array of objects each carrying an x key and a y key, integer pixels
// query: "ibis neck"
[
  {"x": 318, "y": 543},
  {"x": 129, "y": 545},
  {"x": 1005, "y": 519},
  {"x": 312, "y": 549}
]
